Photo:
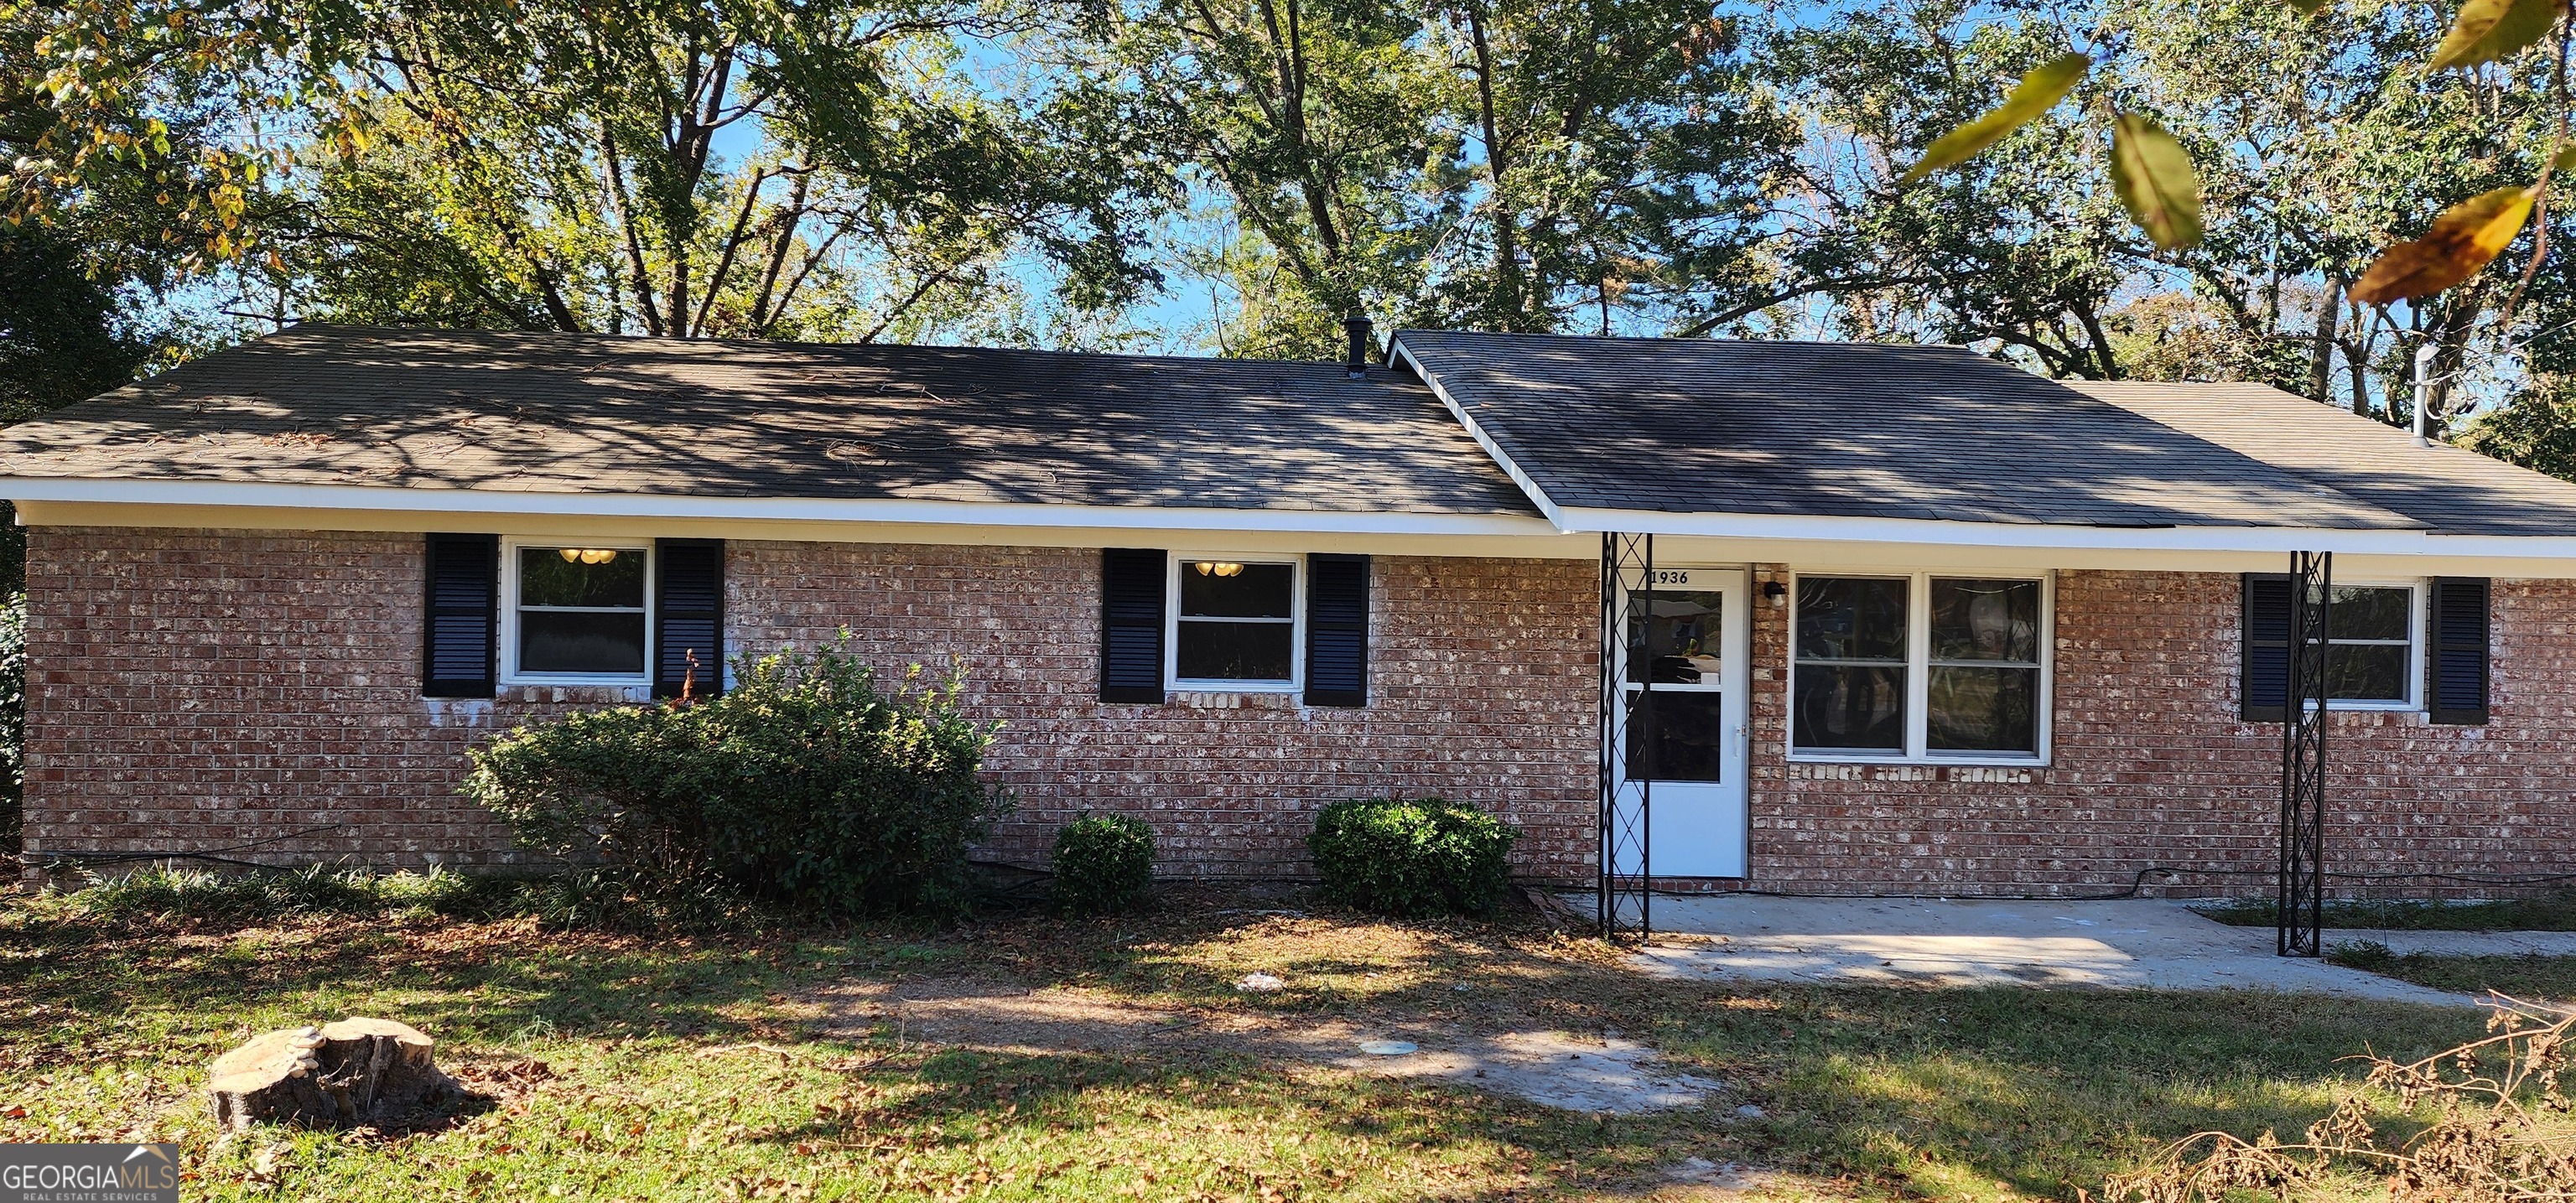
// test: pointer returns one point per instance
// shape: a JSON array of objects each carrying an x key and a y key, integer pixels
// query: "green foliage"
[
  {"x": 163, "y": 894},
  {"x": 1103, "y": 863},
  {"x": 59, "y": 331},
  {"x": 2367, "y": 955},
  {"x": 1418, "y": 857},
  {"x": 818, "y": 169},
  {"x": 806, "y": 786},
  {"x": 2038, "y": 92},
  {"x": 1512, "y": 165},
  {"x": 2554, "y": 910},
  {"x": 2537, "y": 431}
]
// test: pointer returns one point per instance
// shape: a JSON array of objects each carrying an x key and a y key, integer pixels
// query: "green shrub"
[
  {"x": 163, "y": 894},
  {"x": 806, "y": 786},
  {"x": 2369, "y": 955},
  {"x": 1424, "y": 856},
  {"x": 1103, "y": 863}
]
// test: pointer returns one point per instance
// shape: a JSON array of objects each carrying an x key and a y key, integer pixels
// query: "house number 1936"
[{"x": 1670, "y": 576}]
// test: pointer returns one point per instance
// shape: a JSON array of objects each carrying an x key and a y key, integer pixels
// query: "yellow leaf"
[
  {"x": 2037, "y": 93},
  {"x": 2153, "y": 176},
  {"x": 2487, "y": 30},
  {"x": 2466, "y": 237}
]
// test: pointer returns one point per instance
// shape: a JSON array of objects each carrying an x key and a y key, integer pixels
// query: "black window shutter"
[
  {"x": 1131, "y": 625},
  {"x": 1337, "y": 606},
  {"x": 2264, "y": 689},
  {"x": 2455, "y": 651},
  {"x": 688, "y": 617},
  {"x": 458, "y": 627}
]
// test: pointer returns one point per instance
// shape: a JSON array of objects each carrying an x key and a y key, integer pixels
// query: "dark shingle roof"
[
  {"x": 547, "y": 413},
  {"x": 1854, "y": 430},
  {"x": 2453, "y": 491}
]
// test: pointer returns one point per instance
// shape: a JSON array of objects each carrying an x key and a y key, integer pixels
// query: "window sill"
[
  {"x": 1988, "y": 762},
  {"x": 1235, "y": 687}
]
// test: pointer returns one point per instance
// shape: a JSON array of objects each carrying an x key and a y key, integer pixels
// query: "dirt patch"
[{"x": 1604, "y": 1074}]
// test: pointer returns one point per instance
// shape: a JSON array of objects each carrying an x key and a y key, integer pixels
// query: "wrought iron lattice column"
[
  {"x": 2301, "y": 884},
  {"x": 1627, "y": 789}
]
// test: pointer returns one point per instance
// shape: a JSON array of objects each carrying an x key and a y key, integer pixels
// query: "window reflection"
[{"x": 1851, "y": 672}]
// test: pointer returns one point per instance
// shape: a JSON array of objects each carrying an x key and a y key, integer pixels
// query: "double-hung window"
[
  {"x": 1919, "y": 666},
  {"x": 1235, "y": 623},
  {"x": 576, "y": 614},
  {"x": 2370, "y": 657}
]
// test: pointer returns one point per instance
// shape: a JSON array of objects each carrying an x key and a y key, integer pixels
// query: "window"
[
  {"x": 1676, "y": 639},
  {"x": 1234, "y": 623},
  {"x": 2370, "y": 657},
  {"x": 576, "y": 614},
  {"x": 1851, "y": 664},
  {"x": 1983, "y": 690},
  {"x": 2374, "y": 656},
  {"x": 1920, "y": 666}
]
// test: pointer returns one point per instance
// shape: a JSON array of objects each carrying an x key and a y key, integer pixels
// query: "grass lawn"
[
  {"x": 618, "y": 1065},
  {"x": 2553, "y": 911},
  {"x": 2529, "y": 977}
]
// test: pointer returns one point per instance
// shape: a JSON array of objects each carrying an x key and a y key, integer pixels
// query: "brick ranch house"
[{"x": 1917, "y": 621}]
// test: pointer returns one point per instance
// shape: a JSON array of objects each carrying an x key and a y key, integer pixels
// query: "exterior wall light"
[{"x": 1775, "y": 593}]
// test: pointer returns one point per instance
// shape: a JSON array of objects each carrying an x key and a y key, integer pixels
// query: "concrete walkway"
[{"x": 2133, "y": 943}]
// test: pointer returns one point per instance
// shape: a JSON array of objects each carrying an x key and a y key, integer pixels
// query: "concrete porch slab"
[{"x": 2127, "y": 944}]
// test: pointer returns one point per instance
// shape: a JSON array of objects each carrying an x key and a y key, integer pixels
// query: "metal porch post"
[
  {"x": 1624, "y": 896},
  {"x": 2300, "y": 886}
]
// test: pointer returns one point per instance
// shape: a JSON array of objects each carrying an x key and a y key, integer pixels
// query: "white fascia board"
[
  {"x": 1396, "y": 350},
  {"x": 788, "y": 509},
  {"x": 1928, "y": 533}
]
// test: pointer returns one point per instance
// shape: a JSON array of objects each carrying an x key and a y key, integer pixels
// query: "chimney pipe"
[
  {"x": 2424, "y": 394},
  {"x": 1363, "y": 343}
]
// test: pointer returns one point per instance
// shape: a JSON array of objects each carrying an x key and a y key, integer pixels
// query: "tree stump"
[{"x": 353, "y": 1073}]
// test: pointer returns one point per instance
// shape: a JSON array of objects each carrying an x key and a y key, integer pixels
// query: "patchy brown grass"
[{"x": 715, "y": 1068}]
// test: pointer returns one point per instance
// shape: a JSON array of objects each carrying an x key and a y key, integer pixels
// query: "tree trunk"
[{"x": 2321, "y": 362}]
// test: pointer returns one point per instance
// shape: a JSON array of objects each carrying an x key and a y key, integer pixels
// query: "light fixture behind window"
[
  {"x": 1214, "y": 568},
  {"x": 588, "y": 555}
]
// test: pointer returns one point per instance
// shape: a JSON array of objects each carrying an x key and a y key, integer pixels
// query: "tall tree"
[
  {"x": 763, "y": 168},
  {"x": 1507, "y": 164}
]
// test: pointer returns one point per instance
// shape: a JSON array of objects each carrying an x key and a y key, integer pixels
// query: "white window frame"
[
  {"x": 2415, "y": 618},
  {"x": 1180, "y": 562},
  {"x": 509, "y": 616},
  {"x": 1918, "y": 674}
]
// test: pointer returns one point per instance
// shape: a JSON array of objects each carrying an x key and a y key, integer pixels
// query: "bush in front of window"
[
  {"x": 1103, "y": 863},
  {"x": 807, "y": 786},
  {"x": 1411, "y": 857}
]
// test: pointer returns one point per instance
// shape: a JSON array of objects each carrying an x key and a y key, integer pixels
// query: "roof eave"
[
  {"x": 360, "y": 498},
  {"x": 1818, "y": 528}
]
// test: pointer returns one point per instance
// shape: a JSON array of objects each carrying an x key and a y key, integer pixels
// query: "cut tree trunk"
[{"x": 353, "y": 1073}]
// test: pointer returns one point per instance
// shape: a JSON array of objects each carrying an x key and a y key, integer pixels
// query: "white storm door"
[{"x": 1687, "y": 641}]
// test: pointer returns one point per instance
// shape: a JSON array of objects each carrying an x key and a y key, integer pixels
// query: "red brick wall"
[
  {"x": 1482, "y": 688},
  {"x": 2150, "y": 766},
  {"x": 197, "y": 690}
]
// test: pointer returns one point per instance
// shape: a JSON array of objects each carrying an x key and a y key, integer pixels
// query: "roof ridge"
[{"x": 363, "y": 328}]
